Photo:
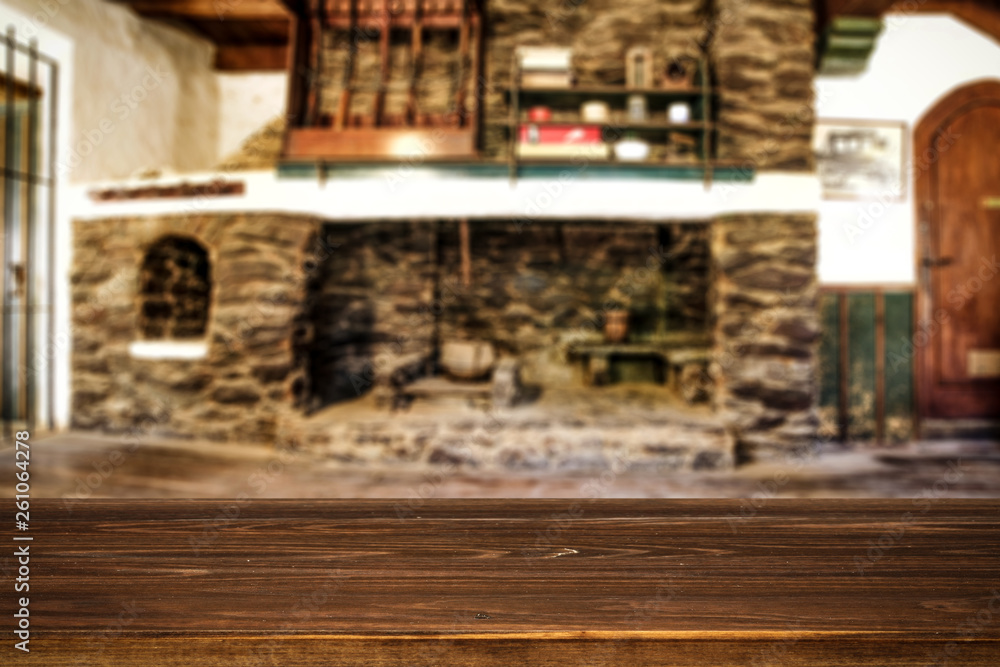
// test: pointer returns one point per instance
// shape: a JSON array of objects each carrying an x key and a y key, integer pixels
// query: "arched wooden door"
[{"x": 956, "y": 150}]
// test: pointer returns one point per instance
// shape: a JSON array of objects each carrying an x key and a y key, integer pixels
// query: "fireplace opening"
[
  {"x": 423, "y": 325},
  {"x": 402, "y": 302}
]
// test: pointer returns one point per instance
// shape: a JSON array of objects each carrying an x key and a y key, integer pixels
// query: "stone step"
[
  {"x": 959, "y": 429},
  {"x": 439, "y": 387},
  {"x": 432, "y": 434}
]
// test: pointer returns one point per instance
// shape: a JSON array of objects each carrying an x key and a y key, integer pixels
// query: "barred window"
[{"x": 175, "y": 288}]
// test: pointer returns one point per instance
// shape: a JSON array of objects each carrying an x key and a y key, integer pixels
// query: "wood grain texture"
[{"x": 505, "y": 582}]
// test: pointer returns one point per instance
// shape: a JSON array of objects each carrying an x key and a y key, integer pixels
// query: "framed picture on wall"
[{"x": 861, "y": 159}]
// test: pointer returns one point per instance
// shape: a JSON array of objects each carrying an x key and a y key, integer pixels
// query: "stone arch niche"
[
  {"x": 188, "y": 327},
  {"x": 175, "y": 286}
]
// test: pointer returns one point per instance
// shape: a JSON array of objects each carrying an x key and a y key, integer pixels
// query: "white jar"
[
  {"x": 679, "y": 112},
  {"x": 595, "y": 111}
]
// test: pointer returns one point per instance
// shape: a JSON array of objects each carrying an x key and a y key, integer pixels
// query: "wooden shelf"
[
  {"x": 374, "y": 24},
  {"x": 611, "y": 162},
  {"x": 318, "y": 133},
  {"x": 380, "y": 142},
  {"x": 699, "y": 98},
  {"x": 615, "y": 91},
  {"x": 377, "y": 167},
  {"x": 627, "y": 125}
]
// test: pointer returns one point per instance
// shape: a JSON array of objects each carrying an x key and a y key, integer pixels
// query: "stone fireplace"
[{"x": 328, "y": 336}]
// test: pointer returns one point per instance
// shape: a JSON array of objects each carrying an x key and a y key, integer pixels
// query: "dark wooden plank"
[
  {"x": 314, "y": 90},
  {"x": 861, "y": 362},
  {"x": 300, "y": 78},
  {"x": 829, "y": 359},
  {"x": 319, "y": 143},
  {"x": 383, "y": 41},
  {"x": 416, "y": 64},
  {"x": 843, "y": 339},
  {"x": 899, "y": 365},
  {"x": 879, "y": 366},
  {"x": 258, "y": 58},
  {"x": 218, "y": 10},
  {"x": 477, "y": 582}
]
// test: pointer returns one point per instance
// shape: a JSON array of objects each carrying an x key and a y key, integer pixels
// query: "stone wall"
[
  {"x": 251, "y": 373},
  {"x": 370, "y": 306},
  {"x": 530, "y": 287},
  {"x": 304, "y": 314},
  {"x": 599, "y": 31},
  {"x": 766, "y": 331},
  {"x": 760, "y": 53}
]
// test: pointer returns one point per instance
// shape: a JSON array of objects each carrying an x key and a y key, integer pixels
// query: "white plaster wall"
[
  {"x": 917, "y": 61},
  {"x": 247, "y": 102},
  {"x": 144, "y": 94}
]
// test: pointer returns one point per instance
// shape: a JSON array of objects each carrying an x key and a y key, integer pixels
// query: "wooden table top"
[{"x": 509, "y": 582}]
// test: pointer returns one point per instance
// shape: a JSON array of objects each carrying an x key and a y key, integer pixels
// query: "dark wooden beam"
[
  {"x": 258, "y": 10},
  {"x": 251, "y": 58},
  {"x": 981, "y": 14},
  {"x": 322, "y": 143}
]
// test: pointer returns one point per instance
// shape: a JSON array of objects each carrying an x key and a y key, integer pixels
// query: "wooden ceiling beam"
[
  {"x": 983, "y": 15},
  {"x": 251, "y": 57},
  {"x": 220, "y": 10}
]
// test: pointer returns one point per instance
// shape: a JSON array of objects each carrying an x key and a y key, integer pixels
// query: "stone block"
[{"x": 239, "y": 393}]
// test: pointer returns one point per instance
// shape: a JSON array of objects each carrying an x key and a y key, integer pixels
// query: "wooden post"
[
  {"x": 477, "y": 89},
  {"x": 344, "y": 104},
  {"x": 315, "y": 63},
  {"x": 515, "y": 112},
  {"x": 463, "y": 235},
  {"x": 463, "y": 63},
  {"x": 416, "y": 62},
  {"x": 706, "y": 123},
  {"x": 879, "y": 366},
  {"x": 845, "y": 364},
  {"x": 384, "y": 46}
]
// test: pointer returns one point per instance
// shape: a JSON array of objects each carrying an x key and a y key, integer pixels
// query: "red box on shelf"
[{"x": 529, "y": 133}]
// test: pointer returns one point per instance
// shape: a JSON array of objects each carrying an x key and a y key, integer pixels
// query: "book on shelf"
[
  {"x": 591, "y": 151},
  {"x": 544, "y": 58},
  {"x": 546, "y": 79},
  {"x": 570, "y": 133}
]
